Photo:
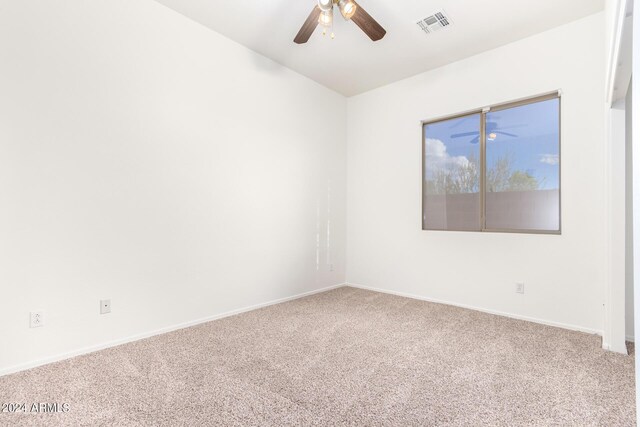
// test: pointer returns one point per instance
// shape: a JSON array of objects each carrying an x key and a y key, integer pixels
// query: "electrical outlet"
[
  {"x": 520, "y": 288},
  {"x": 105, "y": 306},
  {"x": 36, "y": 319}
]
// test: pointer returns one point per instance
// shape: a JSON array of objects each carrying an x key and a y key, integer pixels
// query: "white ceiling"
[{"x": 351, "y": 63}]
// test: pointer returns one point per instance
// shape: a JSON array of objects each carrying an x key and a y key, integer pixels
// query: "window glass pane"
[
  {"x": 523, "y": 167},
  {"x": 452, "y": 180}
]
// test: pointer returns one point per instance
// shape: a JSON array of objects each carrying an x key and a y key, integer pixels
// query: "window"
[{"x": 497, "y": 169}]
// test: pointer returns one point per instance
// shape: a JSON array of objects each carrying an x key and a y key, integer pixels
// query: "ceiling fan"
[
  {"x": 492, "y": 131},
  {"x": 322, "y": 14}
]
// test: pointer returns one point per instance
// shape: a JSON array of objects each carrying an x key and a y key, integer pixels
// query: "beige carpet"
[{"x": 345, "y": 357}]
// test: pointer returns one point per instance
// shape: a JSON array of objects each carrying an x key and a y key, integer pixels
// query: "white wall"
[
  {"x": 564, "y": 275},
  {"x": 635, "y": 141},
  {"x": 616, "y": 318},
  {"x": 147, "y": 159},
  {"x": 619, "y": 297},
  {"x": 614, "y": 15},
  {"x": 629, "y": 274}
]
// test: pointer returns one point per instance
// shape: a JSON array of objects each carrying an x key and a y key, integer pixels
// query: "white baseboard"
[
  {"x": 484, "y": 310},
  {"x": 630, "y": 339},
  {"x": 97, "y": 347},
  {"x": 102, "y": 346}
]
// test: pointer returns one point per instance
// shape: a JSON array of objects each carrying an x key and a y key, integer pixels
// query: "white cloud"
[
  {"x": 438, "y": 158},
  {"x": 550, "y": 159}
]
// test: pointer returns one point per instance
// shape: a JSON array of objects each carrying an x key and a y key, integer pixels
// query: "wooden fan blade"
[
  {"x": 309, "y": 25},
  {"x": 462, "y": 135},
  {"x": 367, "y": 24},
  {"x": 505, "y": 133}
]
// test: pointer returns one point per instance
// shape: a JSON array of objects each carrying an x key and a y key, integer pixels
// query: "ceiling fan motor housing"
[{"x": 322, "y": 14}]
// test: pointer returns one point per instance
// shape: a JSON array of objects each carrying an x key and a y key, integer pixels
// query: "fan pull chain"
[{"x": 333, "y": 36}]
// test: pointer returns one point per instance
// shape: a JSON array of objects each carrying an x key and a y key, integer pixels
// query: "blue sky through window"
[
  {"x": 528, "y": 135},
  {"x": 535, "y": 150}
]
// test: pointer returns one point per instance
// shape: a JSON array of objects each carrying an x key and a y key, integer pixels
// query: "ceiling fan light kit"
[
  {"x": 325, "y": 5},
  {"x": 347, "y": 8},
  {"x": 322, "y": 14},
  {"x": 326, "y": 18}
]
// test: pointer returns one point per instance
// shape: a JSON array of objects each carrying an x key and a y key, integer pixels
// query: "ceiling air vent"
[{"x": 435, "y": 22}]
